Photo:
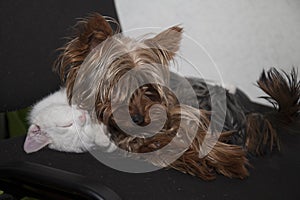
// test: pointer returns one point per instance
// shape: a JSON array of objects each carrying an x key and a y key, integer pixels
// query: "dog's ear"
[
  {"x": 93, "y": 30},
  {"x": 167, "y": 42},
  {"x": 89, "y": 32}
]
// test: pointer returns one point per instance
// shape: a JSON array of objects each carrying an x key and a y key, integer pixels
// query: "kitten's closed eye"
[
  {"x": 78, "y": 120},
  {"x": 65, "y": 126}
]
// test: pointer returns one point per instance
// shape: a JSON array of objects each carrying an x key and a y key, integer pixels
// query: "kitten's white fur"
[{"x": 64, "y": 127}]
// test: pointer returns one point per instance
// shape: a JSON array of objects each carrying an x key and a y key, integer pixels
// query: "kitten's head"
[{"x": 61, "y": 127}]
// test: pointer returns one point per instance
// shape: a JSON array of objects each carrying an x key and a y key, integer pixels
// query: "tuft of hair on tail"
[{"x": 283, "y": 92}]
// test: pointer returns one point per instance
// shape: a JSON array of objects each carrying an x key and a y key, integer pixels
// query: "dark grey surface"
[{"x": 274, "y": 176}]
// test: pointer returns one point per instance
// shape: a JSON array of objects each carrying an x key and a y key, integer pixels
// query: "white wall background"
[{"x": 242, "y": 36}]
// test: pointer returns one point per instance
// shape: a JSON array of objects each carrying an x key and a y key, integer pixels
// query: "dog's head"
[{"x": 122, "y": 79}]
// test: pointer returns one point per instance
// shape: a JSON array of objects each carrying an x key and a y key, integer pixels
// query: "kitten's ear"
[
  {"x": 89, "y": 33},
  {"x": 35, "y": 139},
  {"x": 167, "y": 42}
]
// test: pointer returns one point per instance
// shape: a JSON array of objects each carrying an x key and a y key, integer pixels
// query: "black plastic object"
[{"x": 32, "y": 179}]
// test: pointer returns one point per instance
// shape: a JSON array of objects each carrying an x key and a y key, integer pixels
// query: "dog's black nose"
[{"x": 138, "y": 119}]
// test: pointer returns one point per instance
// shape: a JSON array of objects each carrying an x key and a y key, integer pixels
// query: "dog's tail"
[{"x": 283, "y": 92}]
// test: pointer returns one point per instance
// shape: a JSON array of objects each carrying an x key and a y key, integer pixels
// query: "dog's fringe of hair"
[{"x": 227, "y": 159}]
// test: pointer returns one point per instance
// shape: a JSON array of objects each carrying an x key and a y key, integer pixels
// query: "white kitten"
[{"x": 63, "y": 127}]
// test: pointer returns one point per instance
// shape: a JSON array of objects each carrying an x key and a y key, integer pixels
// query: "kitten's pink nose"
[{"x": 82, "y": 118}]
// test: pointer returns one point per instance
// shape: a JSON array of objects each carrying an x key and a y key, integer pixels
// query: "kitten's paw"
[
  {"x": 112, "y": 147},
  {"x": 103, "y": 141}
]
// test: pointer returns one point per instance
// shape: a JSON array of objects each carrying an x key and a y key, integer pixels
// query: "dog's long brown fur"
[
  {"x": 227, "y": 159},
  {"x": 88, "y": 34}
]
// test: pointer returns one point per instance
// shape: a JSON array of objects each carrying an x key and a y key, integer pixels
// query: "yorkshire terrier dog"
[{"x": 113, "y": 77}]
